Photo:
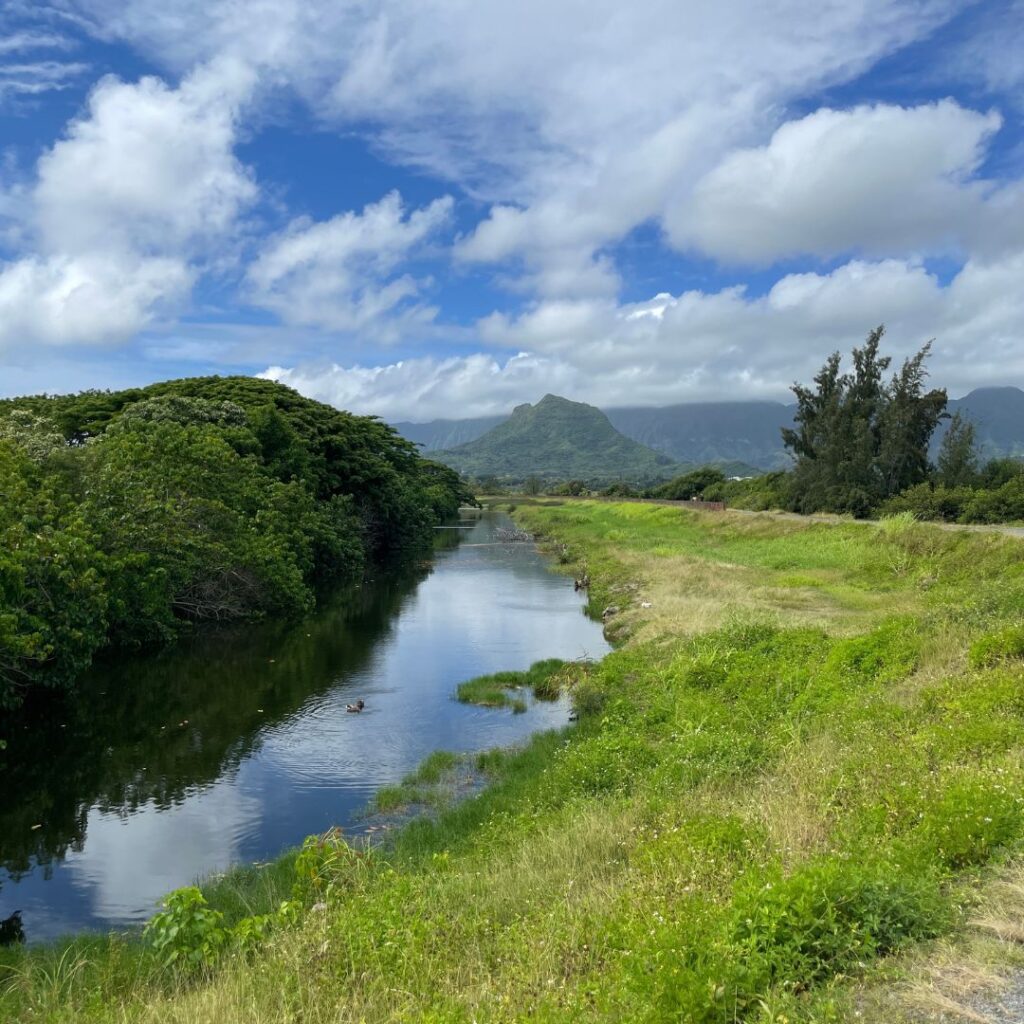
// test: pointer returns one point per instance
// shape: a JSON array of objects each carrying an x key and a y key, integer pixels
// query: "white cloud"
[
  {"x": 26, "y": 71},
  {"x": 94, "y": 299},
  {"x": 880, "y": 179},
  {"x": 703, "y": 346},
  {"x": 341, "y": 273},
  {"x": 147, "y": 167},
  {"x": 991, "y": 54},
  {"x": 32, "y": 78},
  {"x": 577, "y": 124},
  {"x": 123, "y": 208}
]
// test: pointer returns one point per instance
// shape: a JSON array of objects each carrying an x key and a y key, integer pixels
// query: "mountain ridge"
[
  {"x": 558, "y": 439},
  {"x": 707, "y": 432}
]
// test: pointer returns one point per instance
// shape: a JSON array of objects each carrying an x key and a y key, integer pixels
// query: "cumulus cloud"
[
  {"x": 147, "y": 166},
  {"x": 569, "y": 131},
  {"x": 698, "y": 346},
  {"x": 576, "y": 128},
  {"x": 341, "y": 273},
  {"x": 96, "y": 299},
  {"x": 122, "y": 207},
  {"x": 878, "y": 179}
]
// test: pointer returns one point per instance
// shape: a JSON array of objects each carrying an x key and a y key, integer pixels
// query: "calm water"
[{"x": 232, "y": 747}]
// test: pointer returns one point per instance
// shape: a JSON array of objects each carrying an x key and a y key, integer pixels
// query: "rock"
[{"x": 612, "y": 609}]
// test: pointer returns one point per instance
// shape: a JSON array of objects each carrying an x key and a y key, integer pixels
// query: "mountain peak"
[{"x": 558, "y": 439}]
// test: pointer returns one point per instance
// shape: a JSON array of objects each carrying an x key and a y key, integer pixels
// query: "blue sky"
[{"x": 426, "y": 208}]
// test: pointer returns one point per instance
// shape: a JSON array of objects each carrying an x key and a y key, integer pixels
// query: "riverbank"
[{"x": 805, "y": 756}]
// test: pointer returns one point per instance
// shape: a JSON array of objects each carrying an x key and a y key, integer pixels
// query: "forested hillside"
[
  {"x": 554, "y": 440},
  {"x": 704, "y": 433},
  {"x": 125, "y": 514}
]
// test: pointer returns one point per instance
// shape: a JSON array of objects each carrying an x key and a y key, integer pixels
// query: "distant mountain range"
[
  {"x": 558, "y": 440},
  {"x": 702, "y": 433}
]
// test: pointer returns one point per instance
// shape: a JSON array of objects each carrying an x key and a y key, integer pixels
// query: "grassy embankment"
[{"x": 806, "y": 755}]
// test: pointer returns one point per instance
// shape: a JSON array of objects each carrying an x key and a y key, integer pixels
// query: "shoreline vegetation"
[
  {"x": 793, "y": 793},
  {"x": 127, "y": 516}
]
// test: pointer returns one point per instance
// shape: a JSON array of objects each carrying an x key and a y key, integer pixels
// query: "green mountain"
[
  {"x": 706, "y": 433},
  {"x": 440, "y": 435},
  {"x": 998, "y": 416},
  {"x": 713, "y": 433},
  {"x": 558, "y": 440}
]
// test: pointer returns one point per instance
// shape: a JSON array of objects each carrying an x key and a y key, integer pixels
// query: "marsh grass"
[
  {"x": 545, "y": 680},
  {"x": 769, "y": 810},
  {"x": 427, "y": 785}
]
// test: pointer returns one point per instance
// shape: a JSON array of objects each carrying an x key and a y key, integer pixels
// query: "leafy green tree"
[
  {"x": 957, "y": 463},
  {"x": 858, "y": 440},
  {"x": 123, "y": 514},
  {"x": 690, "y": 485},
  {"x": 52, "y": 601},
  {"x": 998, "y": 472}
]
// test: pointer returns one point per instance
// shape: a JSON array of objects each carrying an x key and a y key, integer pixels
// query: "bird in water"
[{"x": 355, "y": 708}]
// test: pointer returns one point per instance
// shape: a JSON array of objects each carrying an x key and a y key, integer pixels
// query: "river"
[{"x": 232, "y": 746}]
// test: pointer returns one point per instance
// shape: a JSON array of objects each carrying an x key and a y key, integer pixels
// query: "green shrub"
[
  {"x": 925, "y": 501},
  {"x": 970, "y": 820},
  {"x": 325, "y": 862},
  {"x": 1004, "y": 645},
  {"x": 187, "y": 932},
  {"x": 690, "y": 485},
  {"x": 827, "y": 918}
]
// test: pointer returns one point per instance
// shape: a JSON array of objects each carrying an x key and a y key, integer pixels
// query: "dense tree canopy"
[
  {"x": 857, "y": 439},
  {"x": 125, "y": 514}
]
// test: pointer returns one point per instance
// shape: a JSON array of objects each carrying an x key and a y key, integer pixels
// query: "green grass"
[
  {"x": 423, "y": 786},
  {"x": 544, "y": 680},
  {"x": 781, "y": 802}
]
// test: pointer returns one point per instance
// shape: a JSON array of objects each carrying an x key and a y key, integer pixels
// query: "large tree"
[
  {"x": 859, "y": 439},
  {"x": 957, "y": 464}
]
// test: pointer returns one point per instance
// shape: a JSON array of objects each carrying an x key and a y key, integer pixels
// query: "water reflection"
[{"x": 236, "y": 745}]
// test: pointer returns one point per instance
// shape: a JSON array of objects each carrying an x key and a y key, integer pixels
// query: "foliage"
[
  {"x": 126, "y": 514},
  {"x": 619, "y": 490},
  {"x": 858, "y": 440},
  {"x": 691, "y": 485},
  {"x": 569, "y": 488},
  {"x": 1001, "y": 503},
  {"x": 558, "y": 440},
  {"x": 757, "y": 493},
  {"x": 190, "y": 935},
  {"x": 957, "y": 462},
  {"x": 187, "y": 931},
  {"x": 990, "y": 649}
]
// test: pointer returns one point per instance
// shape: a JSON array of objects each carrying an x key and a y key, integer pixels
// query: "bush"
[
  {"x": 1004, "y": 504},
  {"x": 690, "y": 485},
  {"x": 187, "y": 932},
  {"x": 969, "y": 820},
  {"x": 757, "y": 493},
  {"x": 993, "y": 648},
  {"x": 925, "y": 501},
  {"x": 827, "y": 917}
]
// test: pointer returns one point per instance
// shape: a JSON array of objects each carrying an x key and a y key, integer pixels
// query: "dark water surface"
[{"x": 234, "y": 746}]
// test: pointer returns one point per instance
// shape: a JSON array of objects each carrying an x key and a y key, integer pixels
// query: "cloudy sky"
[{"x": 424, "y": 208}]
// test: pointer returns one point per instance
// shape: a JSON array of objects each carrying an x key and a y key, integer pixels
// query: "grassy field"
[{"x": 795, "y": 792}]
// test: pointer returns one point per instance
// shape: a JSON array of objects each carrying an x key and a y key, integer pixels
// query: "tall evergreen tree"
[
  {"x": 957, "y": 464},
  {"x": 858, "y": 440}
]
